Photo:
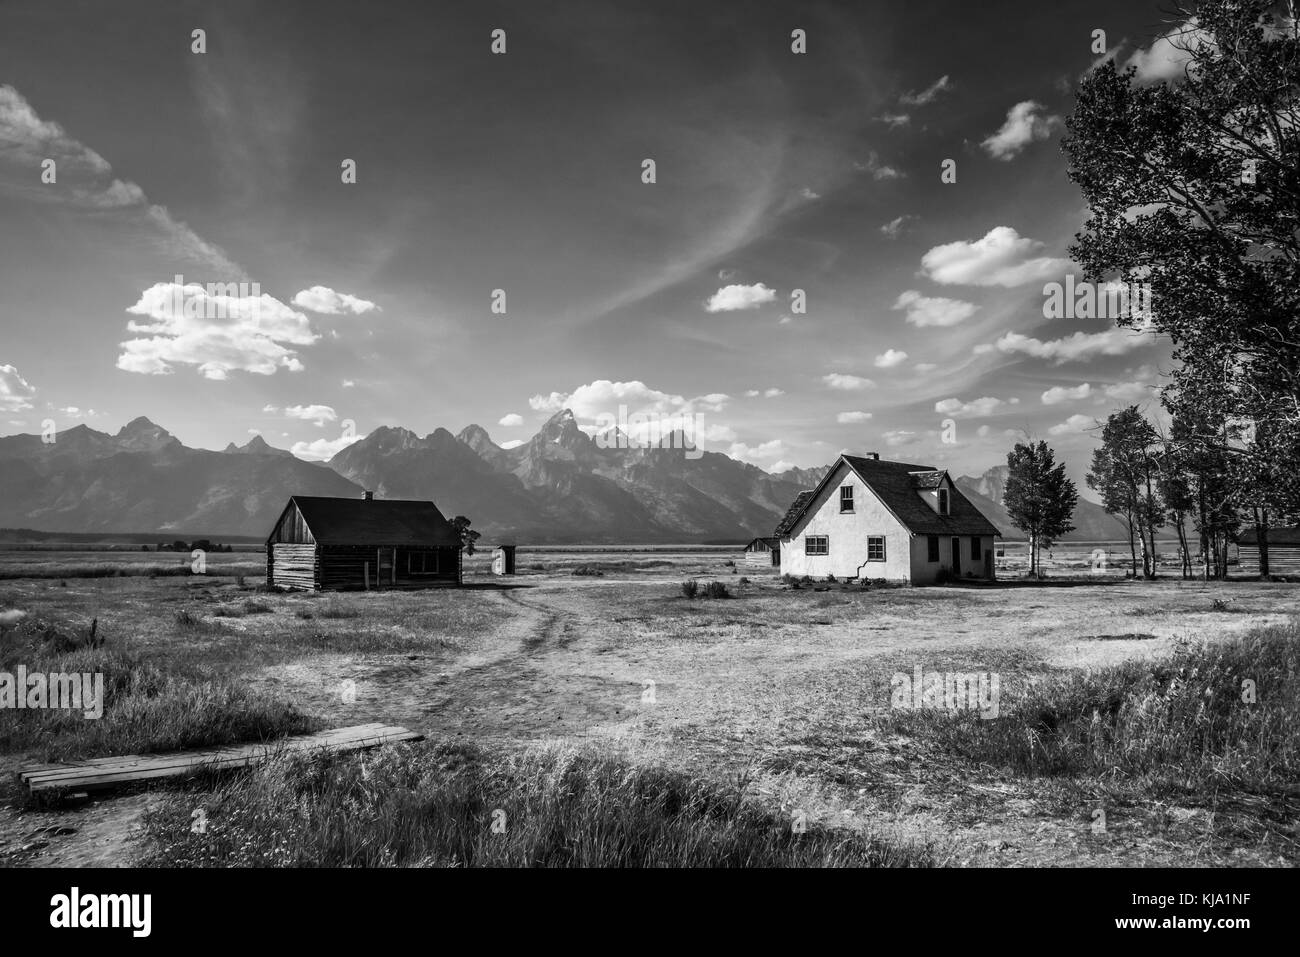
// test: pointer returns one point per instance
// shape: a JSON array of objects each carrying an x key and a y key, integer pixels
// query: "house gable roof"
[
  {"x": 796, "y": 509},
  {"x": 355, "y": 521},
  {"x": 898, "y": 485}
]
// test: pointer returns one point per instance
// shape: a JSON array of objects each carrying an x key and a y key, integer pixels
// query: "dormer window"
[
  {"x": 846, "y": 498},
  {"x": 943, "y": 501}
]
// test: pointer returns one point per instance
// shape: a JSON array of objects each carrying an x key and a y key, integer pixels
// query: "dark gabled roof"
[
  {"x": 897, "y": 484},
  {"x": 1281, "y": 535},
  {"x": 766, "y": 541},
  {"x": 355, "y": 521},
  {"x": 792, "y": 514}
]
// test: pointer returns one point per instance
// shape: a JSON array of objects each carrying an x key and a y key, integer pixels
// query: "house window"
[
  {"x": 932, "y": 546},
  {"x": 975, "y": 549},
  {"x": 943, "y": 501},
  {"x": 422, "y": 563},
  {"x": 875, "y": 548},
  {"x": 817, "y": 545},
  {"x": 846, "y": 498}
]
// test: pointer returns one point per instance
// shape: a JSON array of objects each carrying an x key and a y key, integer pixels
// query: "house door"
[
  {"x": 956, "y": 556},
  {"x": 386, "y": 567}
]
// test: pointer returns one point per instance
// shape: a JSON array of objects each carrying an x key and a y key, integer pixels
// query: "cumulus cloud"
[
  {"x": 925, "y": 367},
  {"x": 320, "y": 414},
  {"x": 1129, "y": 392},
  {"x": 1002, "y": 258},
  {"x": 736, "y": 297},
  {"x": 1167, "y": 57},
  {"x": 1074, "y": 424},
  {"x": 595, "y": 403},
  {"x": 847, "y": 383},
  {"x": 757, "y": 454},
  {"x": 325, "y": 300},
  {"x": 1080, "y": 346},
  {"x": 928, "y": 95},
  {"x": 975, "y": 408},
  {"x": 896, "y": 437},
  {"x": 934, "y": 310},
  {"x": 846, "y": 418},
  {"x": 895, "y": 120},
  {"x": 322, "y": 450},
  {"x": 512, "y": 444},
  {"x": 890, "y": 358},
  {"x": 1060, "y": 393},
  {"x": 1025, "y": 123},
  {"x": 548, "y": 403},
  {"x": 16, "y": 393},
  {"x": 217, "y": 330},
  {"x": 511, "y": 419}
]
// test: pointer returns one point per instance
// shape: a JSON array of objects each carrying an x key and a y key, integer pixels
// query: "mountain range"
[{"x": 560, "y": 487}]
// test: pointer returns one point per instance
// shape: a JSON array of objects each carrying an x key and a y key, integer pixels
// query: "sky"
[{"x": 798, "y": 277}]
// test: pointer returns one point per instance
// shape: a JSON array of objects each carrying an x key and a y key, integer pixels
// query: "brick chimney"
[
  {"x": 874, "y": 455},
  {"x": 368, "y": 495}
]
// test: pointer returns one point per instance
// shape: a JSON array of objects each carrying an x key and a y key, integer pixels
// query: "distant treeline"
[{"x": 12, "y": 536}]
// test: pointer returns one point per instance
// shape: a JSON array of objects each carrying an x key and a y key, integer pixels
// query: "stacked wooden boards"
[{"x": 94, "y": 774}]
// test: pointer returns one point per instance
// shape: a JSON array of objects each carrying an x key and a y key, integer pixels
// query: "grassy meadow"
[{"x": 587, "y": 712}]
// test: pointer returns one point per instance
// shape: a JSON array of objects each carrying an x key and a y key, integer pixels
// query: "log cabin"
[
  {"x": 890, "y": 521},
  {"x": 1283, "y": 551},
  {"x": 336, "y": 544},
  {"x": 764, "y": 551}
]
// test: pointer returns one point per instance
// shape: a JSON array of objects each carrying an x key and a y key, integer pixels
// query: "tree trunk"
[
  {"x": 1184, "y": 552},
  {"x": 1261, "y": 537},
  {"x": 1132, "y": 548}
]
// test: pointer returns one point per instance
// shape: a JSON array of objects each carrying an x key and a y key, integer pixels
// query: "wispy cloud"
[{"x": 86, "y": 180}]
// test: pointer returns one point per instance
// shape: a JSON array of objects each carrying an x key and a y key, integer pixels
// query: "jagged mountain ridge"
[{"x": 561, "y": 486}]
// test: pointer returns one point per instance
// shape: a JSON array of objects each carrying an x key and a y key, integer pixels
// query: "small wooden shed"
[
  {"x": 361, "y": 543},
  {"x": 503, "y": 560},
  {"x": 763, "y": 551},
  {"x": 1283, "y": 551}
]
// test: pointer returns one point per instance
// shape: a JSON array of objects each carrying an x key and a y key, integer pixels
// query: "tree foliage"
[
  {"x": 1038, "y": 497},
  {"x": 1194, "y": 187}
]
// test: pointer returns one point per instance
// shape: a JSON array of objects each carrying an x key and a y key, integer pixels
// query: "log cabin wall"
[
  {"x": 344, "y": 567},
  {"x": 292, "y": 566},
  {"x": 1282, "y": 559}
]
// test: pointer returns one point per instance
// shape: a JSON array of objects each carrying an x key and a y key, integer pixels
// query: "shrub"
[
  {"x": 1171, "y": 727},
  {"x": 187, "y": 619},
  {"x": 589, "y": 570},
  {"x": 435, "y": 804},
  {"x": 716, "y": 590},
  {"x": 690, "y": 588}
]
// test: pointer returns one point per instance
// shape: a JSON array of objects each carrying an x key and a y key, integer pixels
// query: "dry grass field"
[{"x": 775, "y": 699}]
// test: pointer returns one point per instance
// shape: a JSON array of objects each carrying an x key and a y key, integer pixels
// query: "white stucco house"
[{"x": 869, "y": 519}]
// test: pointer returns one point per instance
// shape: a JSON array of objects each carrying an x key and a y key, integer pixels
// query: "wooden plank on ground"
[{"x": 99, "y": 773}]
